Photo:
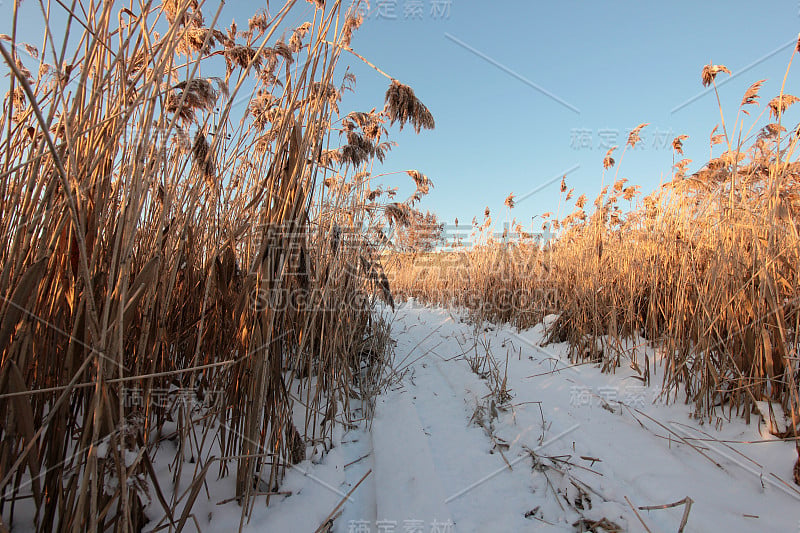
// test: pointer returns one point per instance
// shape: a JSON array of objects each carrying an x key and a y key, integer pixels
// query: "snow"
[
  {"x": 605, "y": 433},
  {"x": 405, "y": 469},
  {"x": 567, "y": 443}
]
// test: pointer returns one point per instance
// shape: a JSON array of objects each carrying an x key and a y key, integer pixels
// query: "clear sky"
[
  {"x": 523, "y": 91},
  {"x": 484, "y": 68}
]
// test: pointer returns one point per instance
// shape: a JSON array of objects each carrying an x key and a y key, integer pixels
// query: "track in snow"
[{"x": 435, "y": 469}]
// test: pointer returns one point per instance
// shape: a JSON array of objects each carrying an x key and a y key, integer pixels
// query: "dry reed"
[
  {"x": 160, "y": 243},
  {"x": 705, "y": 268}
]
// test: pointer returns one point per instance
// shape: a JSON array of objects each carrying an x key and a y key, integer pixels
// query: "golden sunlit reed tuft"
[
  {"x": 608, "y": 161},
  {"x": 710, "y": 72},
  {"x": 404, "y": 107}
]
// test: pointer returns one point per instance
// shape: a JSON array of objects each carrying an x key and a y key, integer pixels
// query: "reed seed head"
[{"x": 710, "y": 72}]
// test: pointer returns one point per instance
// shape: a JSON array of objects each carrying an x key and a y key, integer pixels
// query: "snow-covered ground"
[
  {"x": 570, "y": 445},
  {"x": 483, "y": 429},
  {"x": 567, "y": 447}
]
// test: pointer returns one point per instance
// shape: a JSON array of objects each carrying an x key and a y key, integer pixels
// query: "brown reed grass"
[
  {"x": 705, "y": 269},
  {"x": 161, "y": 237}
]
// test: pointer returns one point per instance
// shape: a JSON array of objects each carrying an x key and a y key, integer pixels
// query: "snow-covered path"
[
  {"x": 566, "y": 448},
  {"x": 446, "y": 456}
]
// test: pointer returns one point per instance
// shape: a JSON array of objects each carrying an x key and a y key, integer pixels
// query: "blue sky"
[
  {"x": 485, "y": 69},
  {"x": 620, "y": 63}
]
